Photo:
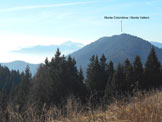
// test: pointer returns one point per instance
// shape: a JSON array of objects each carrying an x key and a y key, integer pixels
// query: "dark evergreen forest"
[{"x": 58, "y": 79}]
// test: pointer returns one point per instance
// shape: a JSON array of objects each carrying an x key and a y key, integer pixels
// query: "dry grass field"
[{"x": 141, "y": 108}]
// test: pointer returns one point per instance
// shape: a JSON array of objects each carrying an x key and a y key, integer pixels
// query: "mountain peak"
[
  {"x": 123, "y": 35},
  {"x": 126, "y": 35},
  {"x": 116, "y": 48}
]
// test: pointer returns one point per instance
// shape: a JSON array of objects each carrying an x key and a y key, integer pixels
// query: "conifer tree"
[
  {"x": 109, "y": 91},
  {"x": 81, "y": 77},
  {"x": 103, "y": 74},
  {"x": 74, "y": 79},
  {"x": 117, "y": 81},
  {"x": 138, "y": 72},
  {"x": 42, "y": 88},
  {"x": 83, "y": 90},
  {"x": 128, "y": 84},
  {"x": 152, "y": 71},
  {"x": 46, "y": 61},
  {"x": 93, "y": 78},
  {"x": 23, "y": 88},
  {"x": 3, "y": 98}
]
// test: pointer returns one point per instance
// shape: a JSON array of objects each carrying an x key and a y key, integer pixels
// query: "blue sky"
[{"x": 25, "y": 23}]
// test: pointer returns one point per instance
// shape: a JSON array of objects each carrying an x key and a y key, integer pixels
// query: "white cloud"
[{"x": 41, "y": 6}]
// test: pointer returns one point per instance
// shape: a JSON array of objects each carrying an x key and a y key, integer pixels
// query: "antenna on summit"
[{"x": 121, "y": 26}]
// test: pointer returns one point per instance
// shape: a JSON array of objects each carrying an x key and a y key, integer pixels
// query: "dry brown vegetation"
[{"x": 141, "y": 108}]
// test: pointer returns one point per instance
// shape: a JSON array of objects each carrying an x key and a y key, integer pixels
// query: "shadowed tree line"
[{"x": 59, "y": 79}]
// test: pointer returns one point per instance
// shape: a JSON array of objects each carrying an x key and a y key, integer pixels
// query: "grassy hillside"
[{"x": 141, "y": 108}]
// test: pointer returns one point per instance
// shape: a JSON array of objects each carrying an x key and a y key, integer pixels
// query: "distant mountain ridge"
[
  {"x": 21, "y": 66},
  {"x": 157, "y": 44},
  {"x": 66, "y": 48},
  {"x": 116, "y": 48}
]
